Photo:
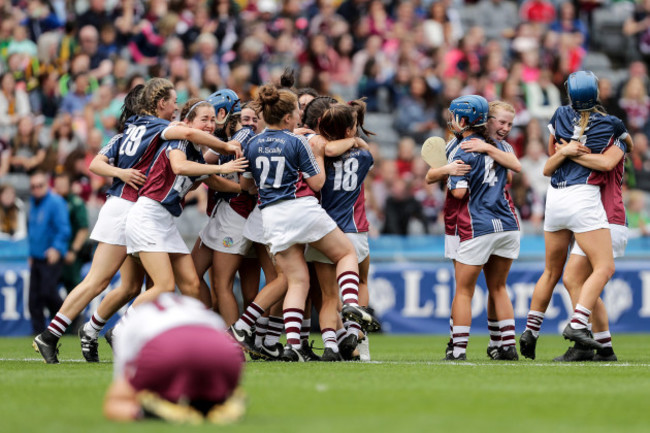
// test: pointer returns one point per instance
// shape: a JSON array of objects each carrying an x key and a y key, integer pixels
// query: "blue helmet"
[
  {"x": 472, "y": 107},
  {"x": 582, "y": 87},
  {"x": 226, "y": 99}
]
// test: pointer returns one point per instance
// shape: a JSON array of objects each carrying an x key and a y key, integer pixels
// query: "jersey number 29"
[{"x": 132, "y": 141}]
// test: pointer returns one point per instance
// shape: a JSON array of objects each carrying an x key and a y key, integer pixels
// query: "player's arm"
[
  {"x": 339, "y": 147},
  {"x": 629, "y": 143},
  {"x": 120, "y": 402},
  {"x": 440, "y": 174},
  {"x": 202, "y": 138},
  {"x": 247, "y": 183},
  {"x": 458, "y": 185},
  {"x": 563, "y": 151},
  {"x": 182, "y": 166},
  {"x": 603, "y": 161},
  {"x": 221, "y": 184},
  {"x": 506, "y": 159},
  {"x": 130, "y": 176}
]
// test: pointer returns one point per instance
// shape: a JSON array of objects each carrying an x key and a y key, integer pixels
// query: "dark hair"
[
  {"x": 359, "y": 107},
  {"x": 307, "y": 91},
  {"x": 315, "y": 109},
  {"x": 189, "y": 110},
  {"x": 131, "y": 106},
  {"x": 335, "y": 122},
  {"x": 275, "y": 103},
  {"x": 287, "y": 79}
]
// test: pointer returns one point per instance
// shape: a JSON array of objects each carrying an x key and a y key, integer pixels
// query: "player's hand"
[
  {"x": 235, "y": 166},
  {"x": 458, "y": 168},
  {"x": 52, "y": 255},
  {"x": 235, "y": 149},
  {"x": 132, "y": 177},
  {"x": 303, "y": 131},
  {"x": 70, "y": 257},
  {"x": 361, "y": 143},
  {"x": 475, "y": 145},
  {"x": 572, "y": 148}
]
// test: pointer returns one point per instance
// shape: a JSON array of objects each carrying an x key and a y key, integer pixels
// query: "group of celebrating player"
[
  {"x": 271, "y": 212},
  {"x": 289, "y": 198},
  {"x": 584, "y": 214}
]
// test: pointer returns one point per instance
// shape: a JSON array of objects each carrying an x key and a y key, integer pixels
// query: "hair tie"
[{"x": 193, "y": 107}]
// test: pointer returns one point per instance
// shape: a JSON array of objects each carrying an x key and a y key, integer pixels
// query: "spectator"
[
  {"x": 637, "y": 219},
  {"x": 538, "y": 12},
  {"x": 403, "y": 211},
  {"x": 75, "y": 101},
  {"x": 78, "y": 218},
  {"x": 608, "y": 99},
  {"x": 5, "y": 158},
  {"x": 638, "y": 25},
  {"x": 417, "y": 114},
  {"x": 498, "y": 18},
  {"x": 40, "y": 19},
  {"x": 46, "y": 98},
  {"x": 13, "y": 223},
  {"x": 542, "y": 97},
  {"x": 528, "y": 203},
  {"x": 437, "y": 28},
  {"x": 100, "y": 66},
  {"x": 96, "y": 15},
  {"x": 14, "y": 104},
  {"x": 64, "y": 139},
  {"x": 405, "y": 158},
  {"x": 638, "y": 170},
  {"x": 568, "y": 22},
  {"x": 48, "y": 232},
  {"x": 636, "y": 103},
  {"x": 28, "y": 153},
  {"x": 532, "y": 165}
]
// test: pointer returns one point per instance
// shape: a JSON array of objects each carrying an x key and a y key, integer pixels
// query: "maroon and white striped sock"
[
  {"x": 349, "y": 284},
  {"x": 534, "y": 322},
  {"x": 292, "y": 323},
  {"x": 495, "y": 333},
  {"x": 604, "y": 338},
  {"x": 305, "y": 329},
  {"x": 580, "y": 318},
  {"x": 250, "y": 316},
  {"x": 59, "y": 324},
  {"x": 329, "y": 339},
  {"x": 507, "y": 330},
  {"x": 260, "y": 330},
  {"x": 94, "y": 325},
  {"x": 353, "y": 328},
  {"x": 341, "y": 334},
  {"x": 451, "y": 330},
  {"x": 461, "y": 337},
  {"x": 274, "y": 330}
]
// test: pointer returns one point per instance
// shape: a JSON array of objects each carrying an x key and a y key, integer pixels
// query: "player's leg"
[
  {"x": 461, "y": 307},
  {"x": 602, "y": 262},
  {"x": 493, "y": 329},
  {"x": 159, "y": 267},
  {"x": 496, "y": 273},
  {"x": 294, "y": 267},
  {"x": 185, "y": 275},
  {"x": 202, "y": 258},
  {"x": 338, "y": 249},
  {"x": 249, "y": 276},
  {"x": 107, "y": 260},
  {"x": 224, "y": 267},
  {"x": 556, "y": 247},
  {"x": 328, "y": 313}
]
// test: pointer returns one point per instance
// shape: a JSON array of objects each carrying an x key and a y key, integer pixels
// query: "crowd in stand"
[{"x": 65, "y": 67}]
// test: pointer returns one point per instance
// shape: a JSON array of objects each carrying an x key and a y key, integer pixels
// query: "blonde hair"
[
  {"x": 500, "y": 105},
  {"x": 584, "y": 118},
  {"x": 155, "y": 90}
]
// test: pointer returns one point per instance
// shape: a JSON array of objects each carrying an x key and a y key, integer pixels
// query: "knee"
[
  {"x": 570, "y": 283},
  {"x": 606, "y": 270}
]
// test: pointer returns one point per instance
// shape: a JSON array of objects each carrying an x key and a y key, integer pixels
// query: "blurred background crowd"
[{"x": 65, "y": 67}]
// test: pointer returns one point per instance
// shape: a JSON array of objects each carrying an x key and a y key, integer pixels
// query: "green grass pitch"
[{"x": 405, "y": 389}]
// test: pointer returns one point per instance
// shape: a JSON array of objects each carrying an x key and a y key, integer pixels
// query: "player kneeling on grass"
[{"x": 174, "y": 362}]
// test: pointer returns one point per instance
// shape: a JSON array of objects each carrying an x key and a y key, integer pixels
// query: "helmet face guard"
[
  {"x": 225, "y": 99},
  {"x": 582, "y": 87},
  {"x": 474, "y": 108}
]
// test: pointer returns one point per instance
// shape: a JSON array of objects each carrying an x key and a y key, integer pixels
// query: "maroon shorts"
[{"x": 194, "y": 363}]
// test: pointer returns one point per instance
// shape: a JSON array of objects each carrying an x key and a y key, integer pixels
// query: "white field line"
[{"x": 38, "y": 360}]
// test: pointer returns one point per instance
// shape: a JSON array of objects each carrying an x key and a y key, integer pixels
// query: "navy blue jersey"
[
  {"x": 342, "y": 196},
  {"x": 601, "y": 133},
  {"x": 278, "y": 161},
  {"x": 166, "y": 187},
  {"x": 485, "y": 208},
  {"x": 135, "y": 149}
]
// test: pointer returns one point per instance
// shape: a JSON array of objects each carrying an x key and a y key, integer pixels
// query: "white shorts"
[
  {"x": 359, "y": 241},
  {"x": 291, "y": 222},
  {"x": 577, "y": 208},
  {"x": 619, "y": 241},
  {"x": 452, "y": 242},
  {"x": 224, "y": 231},
  {"x": 253, "y": 229},
  {"x": 151, "y": 228},
  {"x": 477, "y": 251},
  {"x": 111, "y": 221}
]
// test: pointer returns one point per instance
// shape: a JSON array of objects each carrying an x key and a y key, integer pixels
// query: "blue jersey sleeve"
[
  {"x": 307, "y": 161},
  {"x": 459, "y": 182},
  {"x": 551, "y": 123},
  {"x": 111, "y": 149}
]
